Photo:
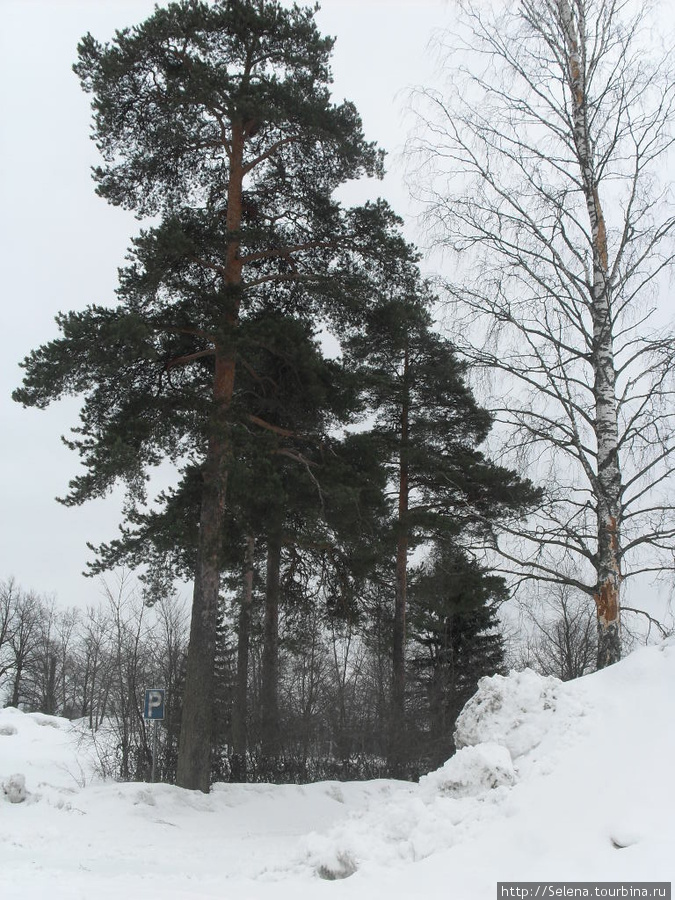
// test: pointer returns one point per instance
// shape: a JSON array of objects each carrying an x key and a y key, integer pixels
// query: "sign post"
[{"x": 153, "y": 711}]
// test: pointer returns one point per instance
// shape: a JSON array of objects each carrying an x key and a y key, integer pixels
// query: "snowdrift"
[{"x": 552, "y": 782}]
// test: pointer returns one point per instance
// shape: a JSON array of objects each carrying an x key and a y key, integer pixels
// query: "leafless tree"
[
  {"x": 42, "y": 672},
  {"x": 127, "y": 648},
  {"x": 168, "y": 640},
  {"x": 43, "y": 643},
  {"x": 540, "y": 164},
  {"x": 36, "y": 650},
  {"x": 24, "y": 636},
  {"x": 8, "y": 592},
  {"x": 66, "y": 640},
  {"x": 94, "y": 665},
  {"x": 130, "y": 665},
  {"x": 562, "y": 639}
]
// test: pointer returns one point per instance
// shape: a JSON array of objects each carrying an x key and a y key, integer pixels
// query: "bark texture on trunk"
[
  {"x": 194, "y": 756},
  {"x": 270, "y": 660},
  {"x": 240, "y": 709},
  {"x": 609, "y": 485},
  {"x": 194, "y": 752},
  {"x": 398, "y": 718}
]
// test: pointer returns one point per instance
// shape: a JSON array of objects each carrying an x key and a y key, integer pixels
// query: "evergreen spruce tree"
[
  {"x": 217, "y": 119},
  {"x": 455, "y": 641}
]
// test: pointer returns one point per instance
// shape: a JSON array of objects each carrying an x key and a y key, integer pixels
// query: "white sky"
[{"x": 60, "y": 245}]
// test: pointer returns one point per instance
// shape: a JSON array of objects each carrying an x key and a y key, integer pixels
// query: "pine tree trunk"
[
  {"x": 608, "y": 485},
  {"x": 397, "y": 725},
  {"x": 270, "y": 660},
  {"x": 438, "y": 731},
  {"x": 194, "y": 752},
  {"x": 398, "y": 676},
  {"x": 194, "y": 755},
  {"x": 240, "y": 709}
]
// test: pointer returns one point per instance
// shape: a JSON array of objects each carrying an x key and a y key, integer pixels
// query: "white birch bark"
[
  {"x": 542, "y": 164},
  {"x": 608, "y": 490}
]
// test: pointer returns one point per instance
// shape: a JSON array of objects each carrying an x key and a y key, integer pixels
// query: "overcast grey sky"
[{"x": 60, "y": 245}]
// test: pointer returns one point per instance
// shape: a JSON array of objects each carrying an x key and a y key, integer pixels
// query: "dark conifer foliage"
[
  {"x": 455, "y": 640},
  {"x": 429, "y": 425},
  {"x": 217, "y": 118}
]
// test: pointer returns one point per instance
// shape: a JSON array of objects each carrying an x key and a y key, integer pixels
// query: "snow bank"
[
  {"x": 506, "y": 720},
  {"x": 564, "y": 782},
  {"x": 48, "y": 752},
  {"x": 522, "y": 712},
  {"x": 471, "y": 772},
  {"x": 555, "y": 761}
]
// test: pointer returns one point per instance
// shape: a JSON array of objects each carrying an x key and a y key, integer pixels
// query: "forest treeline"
[{"x": 94, "y": 665}]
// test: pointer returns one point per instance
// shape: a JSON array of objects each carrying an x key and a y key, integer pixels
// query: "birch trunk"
[{"x": 608, "y": 489}]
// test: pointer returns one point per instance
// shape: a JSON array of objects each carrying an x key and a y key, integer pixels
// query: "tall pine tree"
[
  {"x": 216, "y": 118},
  {"x": 430, "y": 427}
]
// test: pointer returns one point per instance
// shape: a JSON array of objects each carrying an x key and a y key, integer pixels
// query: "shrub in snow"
[
  {"x": 341, "y": 866},
  {"x": 514, "y": 711},
  {"x": 472, "y": 771},
  {"x": 14, "y": 788}
]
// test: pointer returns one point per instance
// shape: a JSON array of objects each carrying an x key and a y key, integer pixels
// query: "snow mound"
[
  {"x": 471, "y": 772},
  {"x": 518, "y": 711},
  {"x": 53, "y": 755},
  {"x": 413, "y": 822},
  {"x": 14, "y": 788},
  {"x": 513, "y": 728}
]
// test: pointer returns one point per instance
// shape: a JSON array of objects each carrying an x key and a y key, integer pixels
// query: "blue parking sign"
[{"x": 154, "y": 703}]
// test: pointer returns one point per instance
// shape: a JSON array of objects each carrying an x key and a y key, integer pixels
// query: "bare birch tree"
[
  {"x": 562, "y": 640},
  {"x": 540, "y": 165}
]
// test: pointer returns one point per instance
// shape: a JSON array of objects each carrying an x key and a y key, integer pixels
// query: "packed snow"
[{"x": 551, "y": 782}]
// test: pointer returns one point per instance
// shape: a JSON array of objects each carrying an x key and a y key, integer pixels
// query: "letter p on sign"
[{"x": 154, "y": 704}]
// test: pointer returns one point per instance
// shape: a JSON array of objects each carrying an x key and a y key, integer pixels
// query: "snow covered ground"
[{"x": 554, "y": 782}]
